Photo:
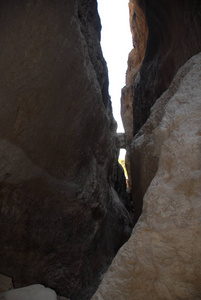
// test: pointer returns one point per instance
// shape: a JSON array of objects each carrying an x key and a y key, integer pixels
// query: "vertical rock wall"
[
  {"x": 165, "y": 35},
  {"x": 174, "y": 37},
  {"x": 61, "y": 219},
  {"x": 139, "y": 30}
]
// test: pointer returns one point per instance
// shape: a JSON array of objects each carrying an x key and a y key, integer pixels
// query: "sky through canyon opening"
[{"x": 116, "y": 43}]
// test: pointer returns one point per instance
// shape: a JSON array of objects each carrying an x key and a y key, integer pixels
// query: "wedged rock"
[
  {"x": 6, "y": 283},
  {"x": 161, "y": 260},
  {"x": 59, "y": 223}
]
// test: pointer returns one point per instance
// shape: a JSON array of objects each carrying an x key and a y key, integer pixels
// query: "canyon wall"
[
  {"x": 161, "y": 260},
  {"x": 165, "y": 35},
  {"x": 139, "y": 30},
  {"x": 174, "y": 37},
  {"x": 62, "y": 196}
]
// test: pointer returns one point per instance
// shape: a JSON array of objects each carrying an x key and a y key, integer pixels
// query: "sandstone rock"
[
  {"x": 59, "y": 222},
  {"x": 5, "y": 283},
  {"x": 161, "y": 260},
  {"x": 174, "y": 36},
  {"x": 165, "y": 35},
  {"x": 139, "y": 30}
]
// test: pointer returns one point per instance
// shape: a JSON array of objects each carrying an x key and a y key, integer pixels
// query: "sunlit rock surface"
[
  {"x": 62, "y": 214},
  {"x": 161, "y": 260}
]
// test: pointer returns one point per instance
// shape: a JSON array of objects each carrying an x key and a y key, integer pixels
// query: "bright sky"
[{"x": 116, "y": 42}]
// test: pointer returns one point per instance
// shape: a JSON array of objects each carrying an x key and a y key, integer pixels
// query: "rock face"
[
  {"x": 165, "y": 35},
  {"x": 161, "y": 260},
  {"x": 174, "y": 37},
  {"x": 62, "y": 213},
  {"x": 139, "y": 30}
]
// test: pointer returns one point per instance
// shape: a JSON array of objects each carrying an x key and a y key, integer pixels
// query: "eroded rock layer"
[
  {"x": 62, "y": 213},
  {"x": 161, "y": 260}
]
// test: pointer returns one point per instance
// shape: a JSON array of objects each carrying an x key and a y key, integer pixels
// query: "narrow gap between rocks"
[{"x": 116, "y": 43}]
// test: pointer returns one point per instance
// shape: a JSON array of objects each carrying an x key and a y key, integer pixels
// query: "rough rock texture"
[
  {"x": 62, "y": 213},
  {"x": 161, "y": 260},
  {"x": 165, "y": 35},
  {"x": 174, "y": 36}
]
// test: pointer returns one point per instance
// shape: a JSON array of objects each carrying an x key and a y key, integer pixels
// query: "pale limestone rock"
[
  {"x": 162, "y": 259},
  {"x": 5, "y": 283},
  {"x": 32, "y": 292}
]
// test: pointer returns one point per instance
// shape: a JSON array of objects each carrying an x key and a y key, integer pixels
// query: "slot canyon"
[{"x": 70, "y": 227}]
